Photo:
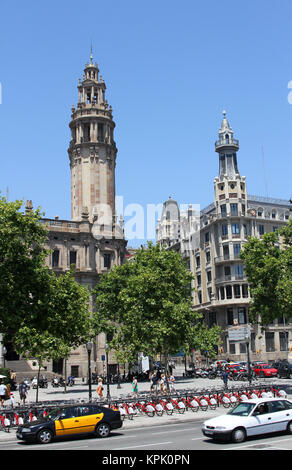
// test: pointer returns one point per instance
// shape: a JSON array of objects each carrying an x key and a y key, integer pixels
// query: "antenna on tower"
[{"x": 264, "y": 168}]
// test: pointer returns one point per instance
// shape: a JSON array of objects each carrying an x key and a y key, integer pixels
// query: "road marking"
[
  {"x": 254, "y": 444},
  {"x": 144, "y": 445}
]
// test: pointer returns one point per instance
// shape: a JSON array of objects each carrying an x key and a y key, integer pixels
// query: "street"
[{"x": 183, "y": 436}]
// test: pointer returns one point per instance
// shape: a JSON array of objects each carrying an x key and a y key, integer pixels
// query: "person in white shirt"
[{"x": 3, "y": 391}]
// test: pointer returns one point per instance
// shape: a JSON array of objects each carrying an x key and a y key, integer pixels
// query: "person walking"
[
  {"x": 135, "y": 387},
  {"x": 23, "y": 391},
  {"x": 224, "y": 375},
  {"x": 162, "y": 384},
  {"x": 99, "y": 389},
  {"x": 171, "y": 381},
  {"x": 3, "y": 392}
]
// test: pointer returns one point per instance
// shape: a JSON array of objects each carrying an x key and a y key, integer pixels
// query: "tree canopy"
[
  {"x": 41, "y": 313},
  {"x": 268, "y": 268},
  {"x": 145, "y": 305}
]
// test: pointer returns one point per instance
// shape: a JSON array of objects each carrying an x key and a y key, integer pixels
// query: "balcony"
[
  {"x": 227, "y": 257},
  {"x": 226, "y": 142}
]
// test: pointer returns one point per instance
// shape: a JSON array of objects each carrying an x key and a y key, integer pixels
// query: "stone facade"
[{"x": 212, "y": 243}]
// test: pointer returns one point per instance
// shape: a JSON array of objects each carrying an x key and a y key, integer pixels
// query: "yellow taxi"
[{"x": 71, "y": 420}]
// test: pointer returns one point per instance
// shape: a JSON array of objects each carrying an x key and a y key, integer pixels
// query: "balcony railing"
[
  {"x": 223, "y": 142},
  {"x": 227, "y": 257}
]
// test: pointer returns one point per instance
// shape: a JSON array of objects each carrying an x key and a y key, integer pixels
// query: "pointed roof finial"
[{"x": 91, "y": 56}]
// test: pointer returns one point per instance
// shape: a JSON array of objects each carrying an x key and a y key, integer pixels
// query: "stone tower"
[{"x": 92, "y": 151}]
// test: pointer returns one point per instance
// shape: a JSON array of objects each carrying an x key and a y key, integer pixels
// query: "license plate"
[{"x": 208, "y": 432}]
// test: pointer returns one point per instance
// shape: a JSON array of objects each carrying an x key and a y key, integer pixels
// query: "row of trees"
[{"x": 142, "y": 306}]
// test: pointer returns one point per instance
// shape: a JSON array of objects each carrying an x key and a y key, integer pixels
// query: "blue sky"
[{"x": 170, "y": 69}]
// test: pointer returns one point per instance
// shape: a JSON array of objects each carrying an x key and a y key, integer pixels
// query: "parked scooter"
[
  {"x": 34, "y": 382},
  {"x": 55, "y": 382},
  {"x": 70, "y": 381},
  {"x": 62, "y": 382},
  {"x": 43, "y": 382}
]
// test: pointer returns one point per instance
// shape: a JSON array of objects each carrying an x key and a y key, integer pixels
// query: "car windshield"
[
  {"x": 242, "y": 409},
  {"x": 267, "y": 367}
]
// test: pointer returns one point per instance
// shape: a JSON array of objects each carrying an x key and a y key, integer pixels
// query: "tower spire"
[{"x": 91, "y": 55}]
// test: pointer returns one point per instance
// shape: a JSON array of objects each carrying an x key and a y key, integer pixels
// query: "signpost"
[{"x": 242, "y": 334}]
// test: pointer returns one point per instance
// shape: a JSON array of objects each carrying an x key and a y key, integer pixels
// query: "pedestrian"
[
  {"x": 154, "y": 382},
  {"x": 99, "y": 389},
  {"x": 3, "y": 392},
  {"x": 12, "y": 401},
  {"x": 135, "y": 387},
  {"x": 171, "y": 381},
  {"x": 23, "y": 391},
  {"x": 162, "y": 384},
  {"x": 224, "y": 376}
]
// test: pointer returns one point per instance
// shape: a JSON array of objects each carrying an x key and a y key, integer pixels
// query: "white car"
[{"x": 251, "y": 418}]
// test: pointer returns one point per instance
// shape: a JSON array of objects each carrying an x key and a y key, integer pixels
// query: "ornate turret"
[{"x": 227, "y": 147}]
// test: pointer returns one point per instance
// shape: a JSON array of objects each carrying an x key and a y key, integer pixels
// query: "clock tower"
[{"x": 92, "y": 151}]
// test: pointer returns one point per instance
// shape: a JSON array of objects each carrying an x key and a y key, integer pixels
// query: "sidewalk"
[{"x": 80, "y": 392}]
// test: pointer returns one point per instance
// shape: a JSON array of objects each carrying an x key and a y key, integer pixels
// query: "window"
[
  {"x": 242, "y": 316},
  {"x": 212, "y": 319},
  {"x": 55, "y": 258},
  {"x": 226, "y": 251},
  {"x": 234, "y": 209},
  {"x": 236, "y": 288},
  {"x": 107, "y": 260},
  {"x": 100, "y": 132},
  {"x": 244, "y": 288},
  {"x": 72, "y": 257},
  {"x": 209, "y": 276},
  {"x": 198, "y": 261},
  {"x": 222, "y": 293},
  {"x": 227, "y": 271},
  {"x": 208, "y": 257},
  {"x": 236, "y": 250},
  {"x": 198, "y": 280},
  {"x": 283, "y": 335},
  {"x": 270, "y": 341},
  {"x": 200, "y": 297},
  {"x": 235, "y": 229},
  {"x": 261, "y": 229},
  {"x": 232, "y": 348},
  {"x": 238, "y": 271},
  {"x": 223, "y": 210},
  {"x": 224, "y": 230},
  {"x": 230, "y": 316},
  {"x": 207, "y": 237},
  {"x": 243, "y": 209},
  {"x": 245, "y": 229},
  {"x": 242, "y": 348},
  {"x": 229, "y": 292}
]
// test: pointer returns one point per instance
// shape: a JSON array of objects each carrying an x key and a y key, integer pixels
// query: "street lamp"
[
  {"x": 89, "y": 346},
  {"x": 108, "y": 395}
]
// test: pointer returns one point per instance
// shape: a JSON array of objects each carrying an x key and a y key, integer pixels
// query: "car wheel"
[
  {"x": 289, "y": 427},
  {"x": 44, "y": 436},
  {"x": 238, "y": 435},
  {"x": 102, "y": 430}
]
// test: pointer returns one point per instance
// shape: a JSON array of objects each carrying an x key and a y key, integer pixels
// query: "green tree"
[
  {"x": 268, "y": 268},
  {"x": 23, "y": 278},
  {"x": 145, "y": 305},
  {"x": 37, "y": 307}
]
